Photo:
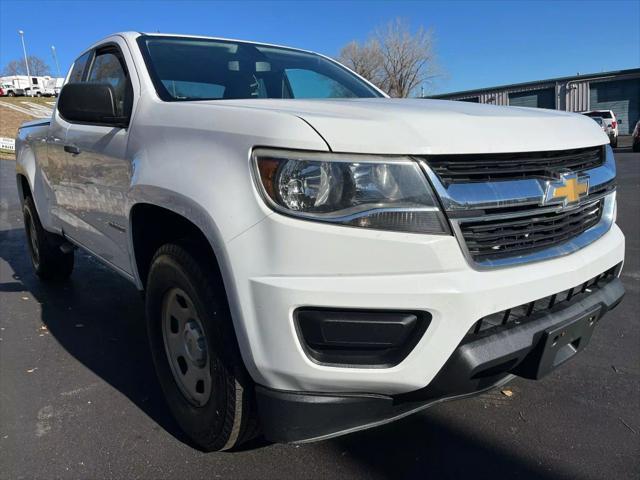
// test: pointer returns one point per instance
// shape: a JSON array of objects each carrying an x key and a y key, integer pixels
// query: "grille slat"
[
  {"x": 499, "y": 238},
  {"x": 512, "y": 166},
  {"x": 526, "y": 220},
  {"x": 524, "y": 248},
  {"x": 496, "y": 322},
  {"x": 529, "y": 233},
  {"x": 529, "y": 227}
]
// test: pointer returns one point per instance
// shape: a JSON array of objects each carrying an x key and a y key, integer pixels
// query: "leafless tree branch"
[
  {"x": 37, "y": 67},
  {"x": 395, "y": 59}
]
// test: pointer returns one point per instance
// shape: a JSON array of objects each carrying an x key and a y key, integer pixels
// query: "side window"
[
  {"x": 108, "y": 67},
  {"x": 78, "y": 68}
]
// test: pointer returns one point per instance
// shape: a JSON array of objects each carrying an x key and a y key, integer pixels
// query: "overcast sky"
[{"x": 479, "y": 44}]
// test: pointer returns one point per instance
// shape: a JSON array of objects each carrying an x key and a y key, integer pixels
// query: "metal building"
[{"x": 618, "y": 91}]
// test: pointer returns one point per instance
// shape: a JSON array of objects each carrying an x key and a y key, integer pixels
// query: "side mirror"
[
  {"x": 619, "y": 121},
  {"x": 92, "y": 103}
]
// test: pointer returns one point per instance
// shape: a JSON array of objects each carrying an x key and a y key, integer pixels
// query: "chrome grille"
[
  {"x": 500, "y": 236},
  {"x": 513, "y": 166}
]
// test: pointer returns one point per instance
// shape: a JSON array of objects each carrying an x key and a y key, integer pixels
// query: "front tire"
[
  {"x": 49, "y": 261},
  {"x": 195, "y": 351}
]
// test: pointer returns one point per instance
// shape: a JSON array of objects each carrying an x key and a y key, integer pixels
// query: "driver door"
[{"x": 98, "y": 166}]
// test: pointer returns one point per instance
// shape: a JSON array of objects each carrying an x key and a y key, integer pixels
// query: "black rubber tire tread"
[
  {"x": 230, "y": 416},
  {"x": 54, "y": 264}
]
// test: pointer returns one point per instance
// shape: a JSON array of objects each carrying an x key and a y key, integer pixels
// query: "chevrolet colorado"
[{"x": 317, "y": 258}]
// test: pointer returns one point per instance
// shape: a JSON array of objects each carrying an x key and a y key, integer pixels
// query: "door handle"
[{"x": 72, "y": 149}]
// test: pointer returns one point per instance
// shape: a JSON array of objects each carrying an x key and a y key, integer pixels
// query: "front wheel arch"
[
  {"x": 152, "y": 225},
  {"x": 24, "y": 189}
]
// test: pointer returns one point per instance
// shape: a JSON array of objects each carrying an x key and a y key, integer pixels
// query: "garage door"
[
  {"x": 621, "y": 96},
  {"x": 545, "y": 98}
]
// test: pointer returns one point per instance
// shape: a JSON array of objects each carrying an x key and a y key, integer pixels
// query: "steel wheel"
[
  {"x": 186, "y": 347},
  {"x": 194, "y": 348}
]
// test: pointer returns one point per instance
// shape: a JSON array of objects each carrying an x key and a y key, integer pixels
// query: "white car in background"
[
  {"x": 33, "y": 91},
  {"x": 37, "y": 91},
  {"x": 50, "y": 91},
  {"x": 10, "y": 90},
  {"x": 612, "y": 123}
]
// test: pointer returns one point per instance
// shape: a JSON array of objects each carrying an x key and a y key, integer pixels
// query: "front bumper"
[
  {"x": 474, "y": 366},
  {"x": 282, "y": 264}
]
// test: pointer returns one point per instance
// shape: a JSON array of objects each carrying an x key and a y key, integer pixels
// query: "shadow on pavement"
[
  {"x": 426, "y": 445},
  {"x": 98, "y": 318}
]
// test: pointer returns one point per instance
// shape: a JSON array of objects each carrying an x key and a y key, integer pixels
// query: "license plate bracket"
[{"x": 562, "y": 342}]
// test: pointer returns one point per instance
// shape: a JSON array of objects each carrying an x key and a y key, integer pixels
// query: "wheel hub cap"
[
  {"x": 186, "y": 348},
  {"x": 195, "y": 344}
]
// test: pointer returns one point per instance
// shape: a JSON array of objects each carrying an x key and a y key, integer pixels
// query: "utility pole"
[
  {"x": 55, "y": 59},
  {"x": 26, "y": 62}
]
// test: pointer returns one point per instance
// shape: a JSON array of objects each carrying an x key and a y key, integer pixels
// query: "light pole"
[
  {"x": 55, "y": 59},
  {"x": 26, "y": 62}
]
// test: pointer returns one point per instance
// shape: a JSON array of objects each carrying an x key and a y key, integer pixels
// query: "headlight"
[{"x": 385, "y": 193}]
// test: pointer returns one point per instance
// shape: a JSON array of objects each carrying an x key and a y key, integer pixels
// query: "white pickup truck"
[{"x": 317, "y": 258}]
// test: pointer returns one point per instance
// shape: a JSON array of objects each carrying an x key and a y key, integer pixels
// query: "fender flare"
[{"x": 197, "y": 215}]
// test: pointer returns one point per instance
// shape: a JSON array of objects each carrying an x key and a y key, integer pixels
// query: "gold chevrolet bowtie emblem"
[{"x": 569, "y": 189}]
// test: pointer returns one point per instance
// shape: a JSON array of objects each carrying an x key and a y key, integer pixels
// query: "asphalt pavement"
[{"x": 79, "y": 398}]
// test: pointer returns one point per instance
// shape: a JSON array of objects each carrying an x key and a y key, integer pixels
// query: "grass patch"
[
  {"x": 39, "y": 100},
  {"x": 4, "y": 155},
  {"x": 10, "y": 120}
]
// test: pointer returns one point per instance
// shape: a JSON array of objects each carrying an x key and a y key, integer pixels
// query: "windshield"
[{"x": 202, "y": 69}]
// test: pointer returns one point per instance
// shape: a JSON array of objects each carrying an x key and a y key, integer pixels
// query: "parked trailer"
[{"x": 36, "y": 86}]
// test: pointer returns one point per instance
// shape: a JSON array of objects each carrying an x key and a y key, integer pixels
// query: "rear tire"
[
  {"x": 49, "y": 261},
  {"x": 614, "y": 142},
  {"x": 195, "y": 351}
]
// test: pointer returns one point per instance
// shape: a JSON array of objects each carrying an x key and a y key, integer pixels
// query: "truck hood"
[{"x": 416, "y": 126}]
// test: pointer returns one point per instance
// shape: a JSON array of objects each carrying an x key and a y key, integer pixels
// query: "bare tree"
[
  {"x": 408, "y": 60},
  {"x": 37, "y": 67},
  {"x": 14, "y": 67},
  {"x": 395, "y": 59},
  {"x": 365, "y": 60}
]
